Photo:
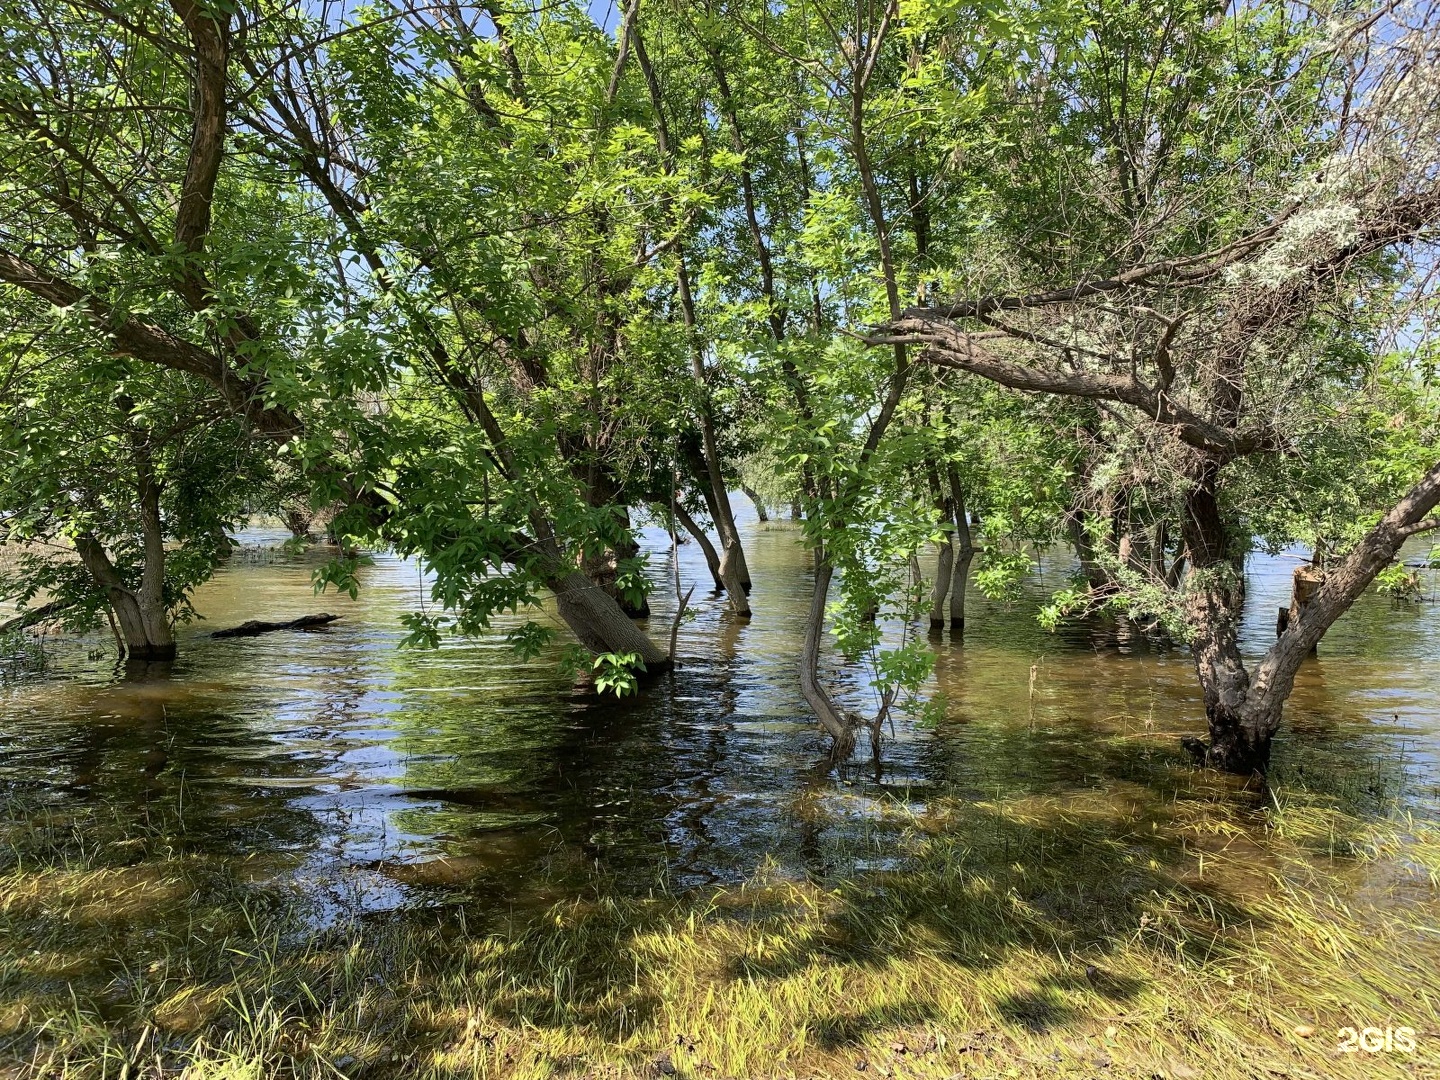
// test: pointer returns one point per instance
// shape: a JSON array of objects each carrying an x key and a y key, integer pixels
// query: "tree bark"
[
  {"x": 146, "y": 632},
  {"x": 943, "y": 572},
  {"x": 964, "y": 554},
  {"x": 760, "y": 511},
  {"x": 600, "y": 623},
  {"x": 1214, "y": 597},
  {"x": 835, "y": 722},
  {"x": 712, "y": 557}
]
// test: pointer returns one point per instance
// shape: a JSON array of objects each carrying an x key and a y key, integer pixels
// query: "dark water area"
[{"x": 370, "y": 778}]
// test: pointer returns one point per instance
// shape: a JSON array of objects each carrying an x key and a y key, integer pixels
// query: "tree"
[
  {"x": 119, "y": 484},
  {"x": 1214, "y": 357}
]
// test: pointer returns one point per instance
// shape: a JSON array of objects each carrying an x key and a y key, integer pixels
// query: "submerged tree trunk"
[
  {"x": 943, "y": 570},
  {"x": 601, "y": 624},
  {"x": 712, "y": 557},
  {"x": 140, "y": 614},
  {"x": 734, "y": 574},
  {"x": 760, "y": 511},
  {"x": 1244, "y": 711},
  {"x": 1304, "y": 583},
  {"x": 964, "y": 554},
  {"x": 835, "y": 722},
  {"x": 1215, "y": 596},
  {"x": 1237, "y": 743},
  {"x": 256, "y": 627}
]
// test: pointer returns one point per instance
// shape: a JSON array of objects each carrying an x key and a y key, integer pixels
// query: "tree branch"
[{"x": 946, "y": 345}]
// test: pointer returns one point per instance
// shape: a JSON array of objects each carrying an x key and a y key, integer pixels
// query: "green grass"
[{"x": 1107, "y": 933}]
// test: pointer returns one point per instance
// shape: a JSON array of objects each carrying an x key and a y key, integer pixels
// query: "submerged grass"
[{"x": 1103, "y": 933}]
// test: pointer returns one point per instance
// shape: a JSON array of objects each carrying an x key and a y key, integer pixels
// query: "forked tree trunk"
[
  {"x": 1244, "y": 711},
  {"x": 140, "y": 613}
]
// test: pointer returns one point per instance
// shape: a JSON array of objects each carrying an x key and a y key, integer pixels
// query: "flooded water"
[{"x": 373, "y": 777}]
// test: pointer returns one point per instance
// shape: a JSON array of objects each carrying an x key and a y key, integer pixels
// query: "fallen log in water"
[{"x": 256, "y": 627}]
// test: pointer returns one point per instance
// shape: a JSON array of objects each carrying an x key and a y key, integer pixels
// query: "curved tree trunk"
[
  {"x": 140, "y": 613},
  {"x": 733, "y": 572},
  {"x": 831, "y": 718},
  {"x": 732, "y": 553},
  {"x": 760, "y": 511},
  {"x": 712, "y": 557}
]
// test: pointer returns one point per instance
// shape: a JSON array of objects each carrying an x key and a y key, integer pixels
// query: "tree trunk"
[
  {"x": 141, "y": 613},
  {"x": 1341, "y": 585},
  {"x": 1085, "y": 551},
  {"x": 601, "y": 624},
  {"x": 760, "y": 511},
  {"x": 941, "y": 589},
  {"x": 1215, "y": 596},
  {"x": 1159, "y": 536},
  {"x": 1305, "y": 582},
  {"x": 144, "y": 626},
  {"x": 712, "y": 557},
  {"x": 733, "y": 571},
  {"x": 1240, "y": 739},
  {"x": 964, "y": 554},
  {"x": 832, "y": 719},
  {"x": 299, "y": 519}
]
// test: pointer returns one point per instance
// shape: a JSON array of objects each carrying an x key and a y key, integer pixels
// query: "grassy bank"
[{"x": 1103, "y": 934}]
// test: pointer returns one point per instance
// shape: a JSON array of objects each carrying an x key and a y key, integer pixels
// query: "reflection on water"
[{"x": 373, "y": 777}]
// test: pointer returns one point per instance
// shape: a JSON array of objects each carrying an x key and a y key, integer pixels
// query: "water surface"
[{"x": 372, "y": 777}]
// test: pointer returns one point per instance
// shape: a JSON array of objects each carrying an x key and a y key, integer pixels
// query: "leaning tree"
[{"x": 1216, "y": 355}]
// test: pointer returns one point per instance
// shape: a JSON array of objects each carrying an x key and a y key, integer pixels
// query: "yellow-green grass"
[{"x": 1102, "y": 934}]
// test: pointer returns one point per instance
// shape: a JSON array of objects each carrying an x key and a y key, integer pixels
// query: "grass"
[{"x": 1105, "y": 933}]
